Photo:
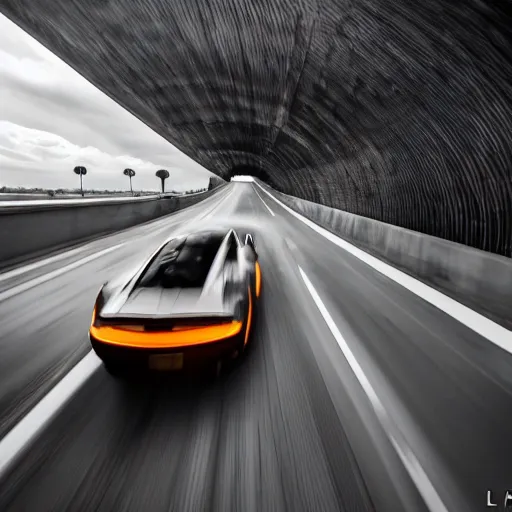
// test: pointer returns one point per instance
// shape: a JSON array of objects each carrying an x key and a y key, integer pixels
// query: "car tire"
[
  {"x": 211, "y": 373},
  {"x": 114, "y": 369}
]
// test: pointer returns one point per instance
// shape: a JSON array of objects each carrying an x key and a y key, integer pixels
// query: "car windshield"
[{"x": 183, "y": 262}]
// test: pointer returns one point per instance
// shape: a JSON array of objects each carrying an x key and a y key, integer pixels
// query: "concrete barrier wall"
[
  {"x": 28, "y": 231},
  {"x": 478, "y": 279}
]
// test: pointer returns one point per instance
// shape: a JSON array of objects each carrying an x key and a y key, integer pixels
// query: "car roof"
[
  {"x": 204, "y": 236},
  {"x": 193, "y": 238},
  {"x": 182, "y": 245}
]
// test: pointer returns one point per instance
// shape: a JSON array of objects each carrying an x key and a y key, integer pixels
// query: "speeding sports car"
[{"x": 190, "y": 305}]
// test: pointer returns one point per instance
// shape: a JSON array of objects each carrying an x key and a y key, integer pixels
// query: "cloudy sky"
[{"x": 52, "y": 119}]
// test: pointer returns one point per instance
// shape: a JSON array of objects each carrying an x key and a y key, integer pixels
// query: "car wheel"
[
  {"x": 114, "y": 369},
  {"x": 212, "y": 372}
]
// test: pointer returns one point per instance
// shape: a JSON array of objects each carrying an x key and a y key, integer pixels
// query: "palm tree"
[
  {"x": 163, "y": 175},
  {"x": 130, "y": 173},
  {"x": 82, "y": 171}
]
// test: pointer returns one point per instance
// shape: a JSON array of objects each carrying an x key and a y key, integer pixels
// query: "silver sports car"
[{"x": 189, "y": 305}]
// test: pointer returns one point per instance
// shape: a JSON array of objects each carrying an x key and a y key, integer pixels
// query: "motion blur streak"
[
  {"x": 412, "y": 465},
  {"x": 20, "y": 437},
  {"x": 292, "y": 428},
  {"x": 38, "y": 264},
  {"x": 56, "y": 273},
  {"x": 479, "y": 323}
]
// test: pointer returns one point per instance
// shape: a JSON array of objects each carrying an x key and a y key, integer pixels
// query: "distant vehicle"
[{"x": 189, "y": 306}]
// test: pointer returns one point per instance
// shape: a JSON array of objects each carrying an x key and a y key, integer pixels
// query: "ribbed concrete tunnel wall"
[{"x": 396, "y": 110}]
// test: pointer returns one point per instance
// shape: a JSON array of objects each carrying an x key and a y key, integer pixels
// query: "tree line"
[
  {"x": 162, "y": 174},
  {"x": 76, "y": 191},
  {"x": 81, "y": 171}
]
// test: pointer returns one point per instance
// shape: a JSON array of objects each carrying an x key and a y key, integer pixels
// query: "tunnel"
[
  {"x": 397, "y": 111},
  {"x": 349, "y": 364}
]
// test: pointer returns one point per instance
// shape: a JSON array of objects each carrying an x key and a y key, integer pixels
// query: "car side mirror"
[{"x": 250, "y": 242}]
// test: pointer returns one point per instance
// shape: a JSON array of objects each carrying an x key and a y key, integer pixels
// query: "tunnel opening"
[{"x": 249, "y": 170}]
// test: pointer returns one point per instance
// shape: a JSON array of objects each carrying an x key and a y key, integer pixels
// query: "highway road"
[{"x": 357, "y": 394}]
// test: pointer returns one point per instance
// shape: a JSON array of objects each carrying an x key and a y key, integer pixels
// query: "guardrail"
[
  {"x": 55, "y": 201},
  {"x": 170, "y": 194},
  {"x": 478, "y": 279},
  {"x": 58, "y": 203},
  {"x": 29, "y": 229}
]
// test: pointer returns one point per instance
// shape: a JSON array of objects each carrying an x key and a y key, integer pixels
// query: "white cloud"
[
  {"x": 54, "y": 119},
  {"x": 36, "y": 158}
]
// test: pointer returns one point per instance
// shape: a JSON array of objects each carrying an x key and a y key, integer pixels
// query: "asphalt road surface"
[{"x": 356, "y": 395}]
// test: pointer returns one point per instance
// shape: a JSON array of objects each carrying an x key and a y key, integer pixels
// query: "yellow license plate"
[{"x": 166, "y": 362}]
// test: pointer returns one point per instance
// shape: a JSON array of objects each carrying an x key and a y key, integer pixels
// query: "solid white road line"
[
  {"x": 15, "y": 290},
  {"x": 396, "y": 437},
  {"x": 268, "y": 207},
  {"x": 41, "y": 263},
  {"x": 480, "y": 324},
  {"x": 21, "y": 436}
]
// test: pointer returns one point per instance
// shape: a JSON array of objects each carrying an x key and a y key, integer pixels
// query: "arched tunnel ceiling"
[{"x": 396, "y": 110}]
